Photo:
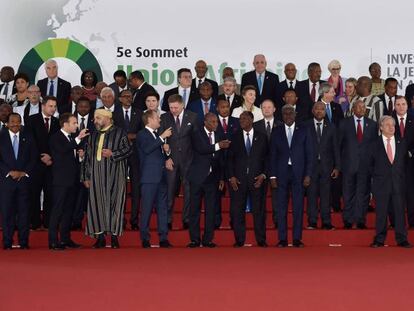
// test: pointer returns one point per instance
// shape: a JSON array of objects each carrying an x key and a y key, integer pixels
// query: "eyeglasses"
[{"x": 336, "y": 68}]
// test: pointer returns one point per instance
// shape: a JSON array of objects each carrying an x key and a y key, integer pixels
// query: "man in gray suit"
[{"x": 183, "y": 124}]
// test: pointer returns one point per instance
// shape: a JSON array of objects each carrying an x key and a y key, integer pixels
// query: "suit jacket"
[
  {"x": 409, "y": 93},
  {"x": 327, "y": 150},
  {"x": 282, "y": 88},
  {"x": 63, "y": 93},
  {"x": 115, "y": 88},
  {"x": 270, "y": 85},
  {"x": 65, "y": 167},
  {"x": 139, "y": 96},
  {"x": 351, "y": 151},
  {"x": 387, "y": 178},
  {"x": 24, "y": 111},
  {"x": 386, "y": 112},
  {"x": 198, "y": 108},
  {"x": 135, "y": 117},
  {"x": 232, "y": 127},
  {"x": 41, "y": 137},
  {"x": 180, "y": 141},
  {"x": 300, "y": 152},
  {"x": 152, "y": 158},
  {"x": 337, "y": 114},
  {"x": 193, "y": 96},
  {"x": 205, "y": 158},
  {"x": 26, "y": 159},
  {"x": 212, "y": 82},
  {"x": 237, "y": 101},
  {"x": 303, "y": 112},
  {"x": 245, "y": 167},
  {"x": 408, "y": 131},
  {"x": 304, "y": 92},
  {"x": 261, "y": 127}
]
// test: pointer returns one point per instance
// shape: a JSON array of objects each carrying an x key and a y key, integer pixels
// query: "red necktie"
[
  {"x": 313, "y": 92},
  {"x": 402, "y": 127},
  {"x": 224, "y": 125},
  {"x": 359, "y": 131},
  {"x": 210, "y": 138},
  {"x": 390, "y": 106}
]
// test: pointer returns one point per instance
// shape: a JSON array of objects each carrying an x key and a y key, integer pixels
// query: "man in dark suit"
[
  {"x": 303, "y": 111},
  {"x": 55, "y": 86},
  {"x": 184, "y": 89},
  {"x": 388, "y": 98},
  {"x": 229, "y": 93},
  {"x": 404, "y": 130},
  {"x": 308, "y": 90},
  {"x": 65, "y": 174},
  {"x": 265, "y": 82},
  {"x": 152, "y": 155},
  {"x": 291, "y": 161},
  {"x": 201, "y": 73},
  {"x": 42, "y": 126},
  {"x": 355, "y": 136},
  {"x": 120, "y": 83},
  {"x": 409, "y": 94},
  {"x": 246, "y": 164},
  {"x": 129, "y": 119},
  {"x": 290, "y": 83},
  {"x": 267, "y": 126},
  {"x": 8, "y": 87},
  {"x": 5, "y": 111},
  {"x": 206, "y": 177},
  {"x": 140, "y": 88},
  {"x": 18, "y": 157},
  {"x": 205, "y": 104},
  {"x": 386, "y": 163},
  {"x": 183, "y": 123},
  {"x": 326, "y": 166}
]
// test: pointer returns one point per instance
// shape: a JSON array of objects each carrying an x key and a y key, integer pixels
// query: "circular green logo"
[{"x": 59, "y": 48}]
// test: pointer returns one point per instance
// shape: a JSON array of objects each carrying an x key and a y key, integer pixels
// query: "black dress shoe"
[
  {"x": 100, "y": 242},
  {"x": 328, "y": 227},
  {"x": 165, "y": 244},
  {"x": 7, "y": 247},
  {"x": 185, "y": 225},
  {"x": 146, "y": 244},
  {"x": 361, "y": 226},
  {"x": 56, "y": 247},
  {"x": 347, "y": 225},
  {"x": 193, "y": 244},
  {"x": 298, "y": 243},
  {"x": 209, "y": 245},
  {"x": 169, "y": 226},
  {"x": 376, "y": 244},
  {"x": 238, "y": 244},
  {"x": 114, "y": 241},
  {"x": 312, "y": 226},
  {"x": 282, "y": 244},
  {"x": 134, "y": 227},
  {"x": 24, "y": 246},
  {"x": 405, "y": 244},
  {"x": 71, "y": 244},
  {"x": 262, "y": 244}
]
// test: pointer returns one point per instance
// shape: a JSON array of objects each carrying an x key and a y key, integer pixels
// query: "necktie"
[
  {"x": 291, "y": 85},
  {"x": 390, "y": 108},
  {"x": 402, "y": 127},
  {"x": 185, "y": 97},
  {"x": 47, "y": 124},
  {"x": 70, "y": 138},
  {"x": 51, "y": 88},
  {"x": 82, "y": 125},
  {"x": 289, "y": 137},
  {"x": 127, "y": 120},
  {"x": 248, "y": 143},
  {"x": 6, "y": 90},
  {"x": 199, "y": 82},
  {"x": 268, "y": 130},
  {"x": 359, "y": 131},
  {"x": 228, "y": 99},
  {"x": 313, "y": 92},
  {"x": 224, "y": 125},
  {"x": 15, "y": 145},
  {"x": 177, "y": 123},
  {"x": 260, "y": 83},
  {"x": 206, "y": 110},
  {"x": 329, "y": 112},
  {"x": 319, "y": 131},
  {"x": 210, "y": 138},
  {"x": 389, "y": 151}
]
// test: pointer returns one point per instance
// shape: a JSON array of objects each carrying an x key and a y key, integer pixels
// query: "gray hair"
[
  {"x": 385, "y": 118},
  {"x": 287, "y": 107},
  {"x": 51, "y": 61},
  {"x": 334, "y": 63},
  {"x": 107, "y": 89},
  {"x": 230, "y": 79},
  {"x": 324, "y": 88}
]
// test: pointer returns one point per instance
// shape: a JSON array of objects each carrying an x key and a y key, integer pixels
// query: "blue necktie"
[
  {"x": 15, "y": 145},
  {"x": 260, "y": 83},
  {"x": 185, "y": 97},
  {"x": 51, "y": 89},
  {"x": 329, "y": 112},
  {"x": 248, "y": 143},
  {"x": 289, "y": 136}
]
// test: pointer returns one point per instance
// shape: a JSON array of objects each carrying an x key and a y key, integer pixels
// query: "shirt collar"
[{"x": 12, "y": 135}]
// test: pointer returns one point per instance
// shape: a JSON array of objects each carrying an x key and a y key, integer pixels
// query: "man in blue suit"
[
  {"x": 18, "y": 157},
  {"x": 291, "y": 167},
  {"x": 205, "y": 104},
  {"x": 153, "y": 153}
]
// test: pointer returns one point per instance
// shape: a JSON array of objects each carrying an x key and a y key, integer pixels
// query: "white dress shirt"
[{"x": 317, "y": 84}]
